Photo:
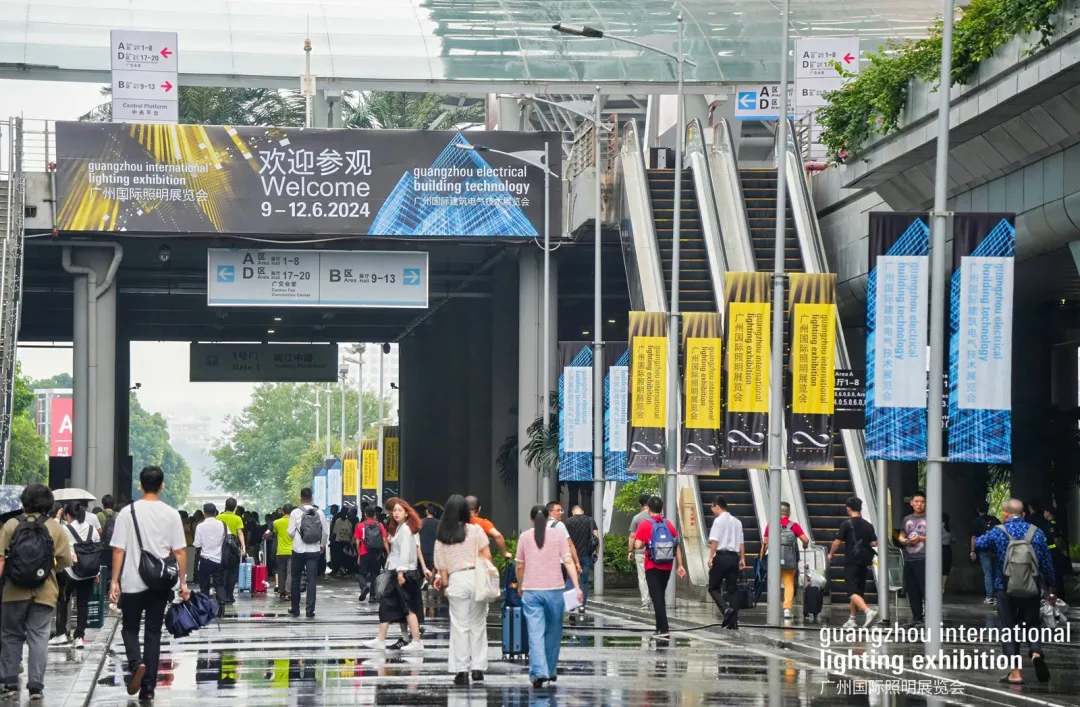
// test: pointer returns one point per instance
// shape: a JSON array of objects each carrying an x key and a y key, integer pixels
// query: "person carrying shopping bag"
[
  {"x": 542, "y": 553},
  {"x": 403, "y": 600},
  {"x": 463, "y": 556}
]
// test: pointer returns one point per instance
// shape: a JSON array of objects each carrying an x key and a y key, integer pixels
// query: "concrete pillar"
[
  {"x": 320, "y": 110},
  {"x": 476, "y": 326},
  {"x": 81, "y": 385},
  {"x": 1031, "y": 372},
  {"x": 334, "y": 107},
  {"x": 502, "y": 497},
  {"x": 529, "y": 379},
  {"x": 103, "y": 373},
  {"x": 117, "y": 479}
]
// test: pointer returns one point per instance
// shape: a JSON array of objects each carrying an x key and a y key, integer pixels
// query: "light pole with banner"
[
  {"x": 538, "y": 159},
  {"x": 674, "y": 435},
  {"x": 598, "y": 342}
]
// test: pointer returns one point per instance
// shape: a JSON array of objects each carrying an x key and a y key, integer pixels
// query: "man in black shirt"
[
  {"x": 859, "y": 541},
  {"x": 984, "y": 523},
  {"x": 586, "y": 538}
]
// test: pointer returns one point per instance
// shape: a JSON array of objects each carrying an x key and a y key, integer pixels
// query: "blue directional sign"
[
  {"x": 760, "y": 102},
  {"x": 411, "y": 276},
  {"x": 226, "y": 273},
  {"x": 747, "y": 100}
]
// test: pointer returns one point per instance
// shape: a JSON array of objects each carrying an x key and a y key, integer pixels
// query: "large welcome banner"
[
  {"x": 980, "y": 345},
  {"x": 702, "y": 401},
  {"x": 898, "y": 295},
  {"x": 746, "y": 369},
  {"x": 616, "y": 412},
  {"x": 812, "y": 312},
  {"x": 575, "y": 411},
  {"x": 648, "y": 391}
]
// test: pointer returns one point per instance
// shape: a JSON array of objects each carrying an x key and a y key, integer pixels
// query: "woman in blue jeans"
[{"x": 542, "y": 553}]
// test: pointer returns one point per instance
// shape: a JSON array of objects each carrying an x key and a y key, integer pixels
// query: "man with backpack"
[
  {"x": 33, "y": 548},
  {"x": 150, "y": 535},
  {"x": 984, "y": 523},
  {"x": 78, "y": 580},
  {"x": 309, "y": 532},
  {"x": 1022, "y": 551},
  {"x": 791, "y": 534},
  {"x": 234, "y": 549},
  {"x": 727, "y": 560},
  {"x": 860, "y": 539},
  {"x": 371, "y": 548},
  {"x": 661, "y": 543}
]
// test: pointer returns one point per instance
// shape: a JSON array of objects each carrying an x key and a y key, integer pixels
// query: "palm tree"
[
  {"x": 208, "y": 105},
  {"x": 407, "y": 111}
]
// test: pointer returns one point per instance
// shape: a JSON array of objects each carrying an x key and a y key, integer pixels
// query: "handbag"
[
  {"x": 157, "y": 573},
  {"x": 384, "y": 583},
  {"x": 486, "y": 582}
]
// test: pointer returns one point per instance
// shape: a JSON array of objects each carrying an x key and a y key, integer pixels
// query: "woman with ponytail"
[
  {"x": 542, "y": 553},
  {"x": 80, "y": 530}
]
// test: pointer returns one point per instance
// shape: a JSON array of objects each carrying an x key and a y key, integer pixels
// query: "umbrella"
[
  {"x": 64, "y": 495},
  {"x": 10, "y": 499}
]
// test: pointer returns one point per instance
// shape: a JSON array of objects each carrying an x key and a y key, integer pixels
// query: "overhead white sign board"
[
  {"x": 760, "y": 101},
  {"x": 264, "y": 363},
  {"x": 145, "y": 82},
  {"x": 310, "y": 278},
  {"x": 815, "y": 76}
]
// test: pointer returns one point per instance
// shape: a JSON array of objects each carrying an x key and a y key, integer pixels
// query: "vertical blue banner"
[
  {"x": 897, "y": 295},
  {"x": 980, "y": 338},
  {"x": 575, "y": 412},
  {"x": 617, "y": 418}
]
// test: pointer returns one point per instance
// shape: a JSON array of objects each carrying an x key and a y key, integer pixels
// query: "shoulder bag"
[{"x": 158, "y": 573}]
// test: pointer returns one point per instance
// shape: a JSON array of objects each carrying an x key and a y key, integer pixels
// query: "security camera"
[
  {"x": 386, "y": 348},
  {"x": 164, "y": 254}
]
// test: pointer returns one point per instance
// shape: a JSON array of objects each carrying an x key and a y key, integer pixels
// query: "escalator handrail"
[
  {"x": 650, "y": 294},
  {"x": 734, "y": 222},
  {"x": 812, "y": 246},
  {"x": 708, "y": 209}
]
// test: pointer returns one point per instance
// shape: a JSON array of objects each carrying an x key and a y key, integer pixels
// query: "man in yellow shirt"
[
  {"x": 235, "y": 524},
  {"x": 284, "y": 551}
]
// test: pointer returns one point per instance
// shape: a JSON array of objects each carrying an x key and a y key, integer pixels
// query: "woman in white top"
[
  {"x": 77, "y": 523},
  {"x": 404, "y": 601},
  {"x": 458, "y": 543}
]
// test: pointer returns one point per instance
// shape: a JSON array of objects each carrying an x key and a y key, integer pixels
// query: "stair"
[
  {"x": 825, "y": 492},
  {"x": 11, "y": 246},
  {"x": 695, "y": 285},
  {"x": 734, "y": 486}
]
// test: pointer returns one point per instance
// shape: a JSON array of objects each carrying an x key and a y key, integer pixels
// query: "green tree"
[
  {"x": 269, "y": 437},
  {"x": 208, "y": 105},
  {"x": 148, "y": 440},
  {"x": 28, "y": 460},
  {"x": 60, "y": 380},
  {"x": 626, "y": 500},
  {"x": 407, "y": 111}
]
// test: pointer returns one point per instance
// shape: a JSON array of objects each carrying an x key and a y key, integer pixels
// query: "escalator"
[
  {"x": 825, "y": 492},
  {"x": 695, "y": 285}
]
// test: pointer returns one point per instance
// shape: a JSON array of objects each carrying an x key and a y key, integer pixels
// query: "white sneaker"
[
  {"x": 850, "y": 623},
  {"x": 80, "y": 643},
  {"x": 645, "y": 605},
  {"x": 988, "y": 600},
  {"x": 60, "y": 640},
  {"x": 413, "y": 647},
  {"x": 871, "y": 617},
  {"x": 374, "y": 643},
  {"x": 788, "y": 614}
]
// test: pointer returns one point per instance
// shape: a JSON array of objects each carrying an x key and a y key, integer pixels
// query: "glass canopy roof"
[{"x": 367, "y": 43}]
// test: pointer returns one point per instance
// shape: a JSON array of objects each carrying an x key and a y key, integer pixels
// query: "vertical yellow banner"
[
  {"x": 348, "y": 478},
  {"x": 813, "y": 359},
  {"x": 391, "y": 448},
  {"x": 748, "y": 356},
  {"x": 369, "y": 466}
]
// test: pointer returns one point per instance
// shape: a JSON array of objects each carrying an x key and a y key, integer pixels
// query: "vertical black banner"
[
  {"x": 648, "y": 391},
  {"x": 746, "y": 369},
  {"x": 811, "y": 367},
  {"x": 702, "y": 401}
]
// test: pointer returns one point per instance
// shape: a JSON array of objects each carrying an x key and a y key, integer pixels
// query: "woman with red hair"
[{"x": 403, "y": 601}]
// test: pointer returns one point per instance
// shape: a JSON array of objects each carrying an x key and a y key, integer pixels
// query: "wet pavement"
[{"x": 261, "y": 656}]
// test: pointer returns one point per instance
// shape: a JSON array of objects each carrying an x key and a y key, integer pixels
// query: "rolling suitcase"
[
  {"x": 515, "y": 634},
  {"x": 259, "y": 583},
  {"x": 245, "y": 576},
  {"x": 812, "y": 602}
]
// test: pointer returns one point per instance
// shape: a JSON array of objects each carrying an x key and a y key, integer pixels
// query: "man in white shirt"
[
  {"x": 555, "y": 515},
  {"x": 208, "y": 542},
  {"x": 727, "y": 559},
  {"x": 153, "y": 526},
  {"x": 306, "y": 552}
]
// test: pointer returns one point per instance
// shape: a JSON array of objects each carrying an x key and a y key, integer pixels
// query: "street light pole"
[
  {"x": 379, "y": 500},
  {"x": 598, "y": 367},
  {"x": 327, "y": 421},
  {"x": 934, "y": 450},
  {"x": 776, "y": 370}
]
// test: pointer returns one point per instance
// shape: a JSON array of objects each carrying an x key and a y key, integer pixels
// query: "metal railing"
[
  {"x": 38, "y": 145},
  {"x": 12, "y": 200}
]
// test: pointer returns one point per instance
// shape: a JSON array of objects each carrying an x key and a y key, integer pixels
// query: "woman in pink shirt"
[{"x": 542, "y": 553}]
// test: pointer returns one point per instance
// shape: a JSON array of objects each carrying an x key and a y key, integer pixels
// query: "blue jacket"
[{"x": 997, "y": 540}]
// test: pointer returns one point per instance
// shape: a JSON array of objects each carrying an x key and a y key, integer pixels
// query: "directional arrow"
[
  {"x": 166, "y": 52},
  {"x": 412, "y": 276},
  {"x": 848, "y": 58},
  {"x": 747, "y": 100},
  {"x": 166, "y": 85}
]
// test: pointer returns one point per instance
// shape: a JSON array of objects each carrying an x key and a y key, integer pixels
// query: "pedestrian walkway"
[
  {"x": 261, "y": 656},
  {"x": 808, "y": 640}
]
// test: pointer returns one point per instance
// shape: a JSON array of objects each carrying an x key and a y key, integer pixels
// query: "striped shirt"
[
  {"x": 462, "y": 555},
  {"x": 543, "y": 566}
]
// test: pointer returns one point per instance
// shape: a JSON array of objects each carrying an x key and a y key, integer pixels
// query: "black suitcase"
[
  {"x": 515, "y": 634},
  {"x": 744, "y": 595},
  {"x": 812, "y": 602}
]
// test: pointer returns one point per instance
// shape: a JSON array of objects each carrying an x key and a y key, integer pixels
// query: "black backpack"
[
  {"x": 107, "y": 530},
  {"x": 373, "y": 539},
  {"x": 29, "y": 559},
  {"x": 158, "y": 573},
  {"x": 860, "y": 551},
  {"x": 230, "y": 547},
  {"x": 87, "y": 555}
]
